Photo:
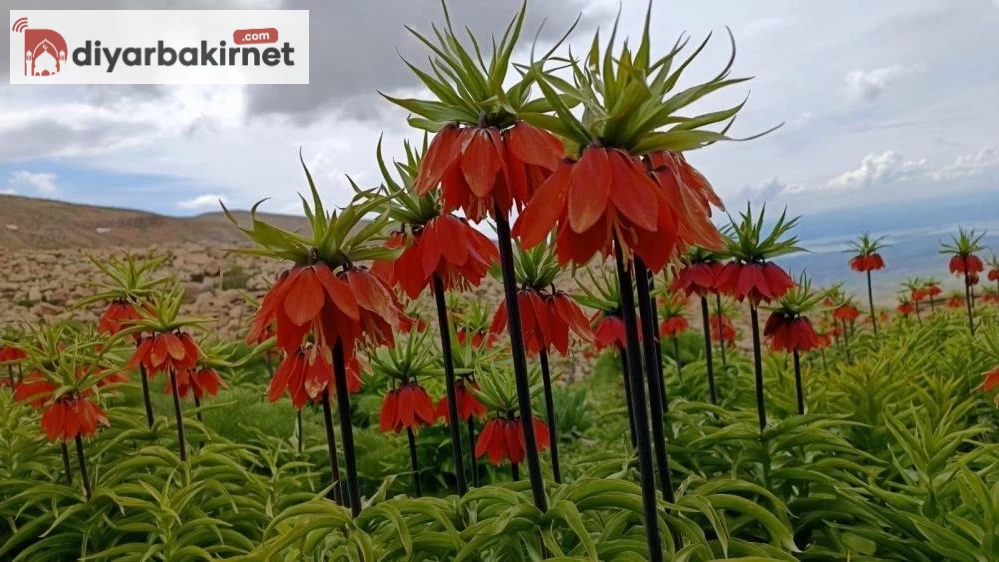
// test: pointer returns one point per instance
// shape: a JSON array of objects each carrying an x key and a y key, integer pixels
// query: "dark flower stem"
[
  {"x": 649, "y": 503},
  {"x": 721, "y": 331},
  {"x": 473, "y": 464},
  {"x": 520, "y": 361},
  {"x": 10, "y": 373},
  {"x": 515, "y": 472},
  {"x": 797, "y": 382},
  {"x": 659, "y": 407},
  {"x": 346, "y": 428},
  {"x": 449, "y": 384},
  {"x": 182, "y": 442},
  {"x": 825, "y": 366},
  {"x": 968, "y": 297},
  {"x": 676, "y": 355},
  {"x": 83, "y": 467},
  {"x": 706, "y": 319},
  {"x": 145, "y": 395},
  {"x": 919, "y": 318},
  {"x": 197, "y": 408},
  {"x": 330, "y": 448},
  {"x": 546, "y": 379},
  {"x": 761, "y": 408},
  {"x": 65, "y": 463},
  {"x": 623, "y": 353},
  {"x": 870, "y": 301},
  {"x": 414, "y": 461},
  {"x": 659, "y": 344},
  {"x": 846, "y": 341},
  {"x": 301, "y": 431}
]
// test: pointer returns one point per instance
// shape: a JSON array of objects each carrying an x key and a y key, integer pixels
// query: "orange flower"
[
  {"x": 966, "y": 264},
  {"x": 672, "y": 327},
  {"x": 468, "y": 405},
  {"x": 72, "y": 415},
  {"x": 117, "y": 316},
  {"x": 846, "y": 312},
  {"x": 991, "y": 382},
  {"x": 698, "y": 278},
  {"x": 166, "y": 352},
  {"x": 481, "y": 169},
  {"x": 34, "y": 389},
  {"x": 408, "y": 406},
  {"x": 503, "y": 438},
  {"x": 608, "y": 330},
  {"x": 546, "y": 320},
  {"x": 955, "y": 302},
  {"x": 203, "y": 382},
  {"x": 605, "y": 195},
  {"x": 872, "y": 262},
  {"x": 790, "y": 333},
  {"x": 447, "y": 246},
  {"x": 755, "y": 281},
  {"x": 11, "y": 354},
  {"x": 306, "y": 373},
  {"x": 994, "y": 274},
  {"x": 689, "y": 198},
  {"x": 722, "y": 329}
]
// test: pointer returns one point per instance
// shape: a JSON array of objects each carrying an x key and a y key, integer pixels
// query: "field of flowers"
[{"x": 651, "y": 387}]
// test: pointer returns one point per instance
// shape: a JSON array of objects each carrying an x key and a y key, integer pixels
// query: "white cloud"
[
  {"x": 41, "y": 182},
  {"x": 208, "y": 201},
  {"x": 868, "y": 85},
  {"x": 767, "y": 191},
  {"x": 970, "y": 165},
  {"x": 875, "y": 169}
]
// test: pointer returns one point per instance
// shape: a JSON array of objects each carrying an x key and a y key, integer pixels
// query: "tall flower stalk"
[
  {"x": 965, "y": 263},
  {"x": 866, "y": 258},
  {"x": 752, "y": 276},
  {"x": 673, "y": 312},
  {"x": 326, "y": 305},
  {"x": 439, "y": 250},
  {"x": 699, "y": 276},
  {"x": 129, "y": 282},
  {"x": 486, "y": 160},
  {"x": 790, "y": 330}
]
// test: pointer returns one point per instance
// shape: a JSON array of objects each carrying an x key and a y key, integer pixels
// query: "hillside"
[{"x": 42, "y": 224}]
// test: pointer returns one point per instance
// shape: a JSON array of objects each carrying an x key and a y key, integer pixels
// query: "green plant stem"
[
  {"x": 10, "y": 373},
  {"x": 515, "y": 472},
  {"x": 870, "y": 301},
  {"x": 449, "y": 385},
  {"x": 846, "y": 341},
  {"x": 197, "y": 409},
  {"x": 919, "y": 319},
  {"x": 330, "y": 448},
  {"x": 178, "y": 412},
  {"x": 546, "y": 379},
  {"x": 649, "y": 503},
  {"x": 797, "y": 383},
  {"x": 346, "y": 428},
  {"x": 65, "y": 463},
  {"x": 660, "y": 372},
  {"x": 706, "y": 319},
  {"x": 676, "y": 355},
  {"x": 968, "y": 298},
  {"x": 761, "y": 409},
  {"x": 414, "y": 461},
  {"x": 520, "y": 360},
  {"x": 83, "y": 467}
]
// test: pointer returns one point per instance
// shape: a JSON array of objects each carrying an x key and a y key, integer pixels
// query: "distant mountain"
[{"x": 42, "y": 224}]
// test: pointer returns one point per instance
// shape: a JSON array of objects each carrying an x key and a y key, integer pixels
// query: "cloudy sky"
[{"x": 881, "y": 102}]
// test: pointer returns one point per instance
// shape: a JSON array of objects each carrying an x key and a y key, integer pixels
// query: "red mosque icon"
[{"x": 45, "y": 50}]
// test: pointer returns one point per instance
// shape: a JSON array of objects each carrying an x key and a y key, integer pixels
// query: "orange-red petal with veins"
[
  {"x": 539, "y": 216},
  {"x": 589, "y": 189},
  {"x": 634, "y": 193},
  {"x": 441, "y": 156},
  {"x": 480, "y": 163}
]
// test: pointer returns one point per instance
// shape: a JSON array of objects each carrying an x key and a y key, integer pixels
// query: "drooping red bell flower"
[
  {"x": 468, "y": 405},
  {"x": 971, "y": 279},
  {"x": 605, "y": 195},
  {"x": 955, "y": 302},
  {"x": 406, "y": 407},
  {"x": 823, "y": 340},
  {"x": 991, "y": 382},
  {"x": 961, "y": 265},
  {"x": 994, "y": 274},
  {"x": 34, "y": 390},
  {"x": 934, "y": 290},
  {"x": 906, "y": 308},
  {"x": 722, "y": 329},
  {"x": 608, "y": 330},
  {"x": 503, "y": 439},
  {"x": 202, "y": 382},
  {"x": 846, "y": 313},
  {"x": 688, "y": 197},
  {"x": 447, "y": 246},
  {"x": 698, "y": 278},
  {"x": 408, "y": 324},
  {"x": 546, "y": 320},
  {"x": 921, "y": 294},
  {"x": 758, "y": 282},
  {"x": 790, "y": 333},
  {"x": 864, "y": 264},
  {"x": 482, "y": 169},
  {"x": 672, "y": 327},
  {"x": 117, "y": 316},
  {"x": 70, "y": 415},
  {"x": 306, "y": 373},
  {"x": 166, "y": 352},
  {"x": 118, "y": 377},
  {"x": 11, "y": 354}
]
